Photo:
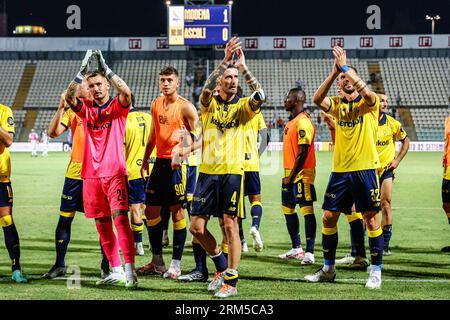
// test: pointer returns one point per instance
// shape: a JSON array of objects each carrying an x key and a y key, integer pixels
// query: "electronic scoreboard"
[{"x": 199, "y": 25}]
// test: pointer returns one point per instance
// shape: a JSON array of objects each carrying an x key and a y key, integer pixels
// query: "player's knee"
[
  {"x": 329, "y": 219},
  {"x": 386, "y": 203},
  {"x": 230, "y": 226},
  {"x": 371, "y": 223},
  {"x": 178, "y": 214},
  {"x": 196, "y": 230}
]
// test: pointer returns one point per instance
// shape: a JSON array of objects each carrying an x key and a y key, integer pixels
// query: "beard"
[{"x": 348, "y": 91}]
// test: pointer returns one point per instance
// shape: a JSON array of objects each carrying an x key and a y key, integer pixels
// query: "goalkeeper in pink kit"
[{"x": 104, "y": 171}]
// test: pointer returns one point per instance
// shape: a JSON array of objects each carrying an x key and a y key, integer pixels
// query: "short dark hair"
[
  {"x": 94, "y": 74},
  {"x": 298, "y": 91},
  {"x": 168, "y": 70}
]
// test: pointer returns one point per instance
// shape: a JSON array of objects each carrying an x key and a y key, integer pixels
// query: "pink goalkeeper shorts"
[{"x": 103, "y": 195}]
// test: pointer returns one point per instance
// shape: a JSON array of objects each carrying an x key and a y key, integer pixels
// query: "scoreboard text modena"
[{"x": 199, "y": 25}]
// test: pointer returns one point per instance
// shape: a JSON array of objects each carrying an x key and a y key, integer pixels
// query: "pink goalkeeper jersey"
[{"x": 104, "y": 129}]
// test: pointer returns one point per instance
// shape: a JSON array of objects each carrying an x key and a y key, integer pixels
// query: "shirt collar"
[
  {"x": 233, "y": 101},
  {"x": 383, "y": 119},
  {"x": 105, "y": 105},
  {"x": 344, "y": 99}
]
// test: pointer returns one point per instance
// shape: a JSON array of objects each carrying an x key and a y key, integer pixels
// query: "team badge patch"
[
  {"x": 10, "y": 121},
  {"x": 302, "y": 133}
]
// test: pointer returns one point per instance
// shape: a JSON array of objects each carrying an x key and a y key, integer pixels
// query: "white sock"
[
  {"x": 328, "y": 269},
  {"x": 176, "y": 264},
  {"x": 129, "y": 268},
  {"x": 118, "y": 269},
  {"x": 232, "y": 271}
]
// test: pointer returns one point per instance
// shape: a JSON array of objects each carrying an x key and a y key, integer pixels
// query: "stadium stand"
[
  {"x": 10, "y": 79},
  {"x": 412, "y": 84}
]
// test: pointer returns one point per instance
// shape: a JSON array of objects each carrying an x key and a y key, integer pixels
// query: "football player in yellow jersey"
[
  {"x": 389, "y": 130},
  {"x": 136, "y": 135},
  {"x": 252, "y": 181},
  {"x": 355, "y": 162},
  {"x": 445, "y": 190},
  {"x": 7, "y": 131},
  {"x": 356, "y": 259},
  {"x": 72, "y": 194},
  {"x": 220, "y": 181}
]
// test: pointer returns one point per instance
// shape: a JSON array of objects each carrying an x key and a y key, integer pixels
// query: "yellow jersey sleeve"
[
  {"x": 65, "y": 120},
  {"x": 305, "y": 131},
  {"x": 206, "y": 108},
  {"x": 261, "y": 122},
  {"x": 334, "y": 108},
  {"x": 397, "y": 130},
  {"x": 7, "y": 124}
]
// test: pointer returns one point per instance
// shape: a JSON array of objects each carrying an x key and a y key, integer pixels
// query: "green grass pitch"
[{"x": 415, "y": 270}]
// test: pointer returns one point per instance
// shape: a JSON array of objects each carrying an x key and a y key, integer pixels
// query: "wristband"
[
  {"x": 110, "y": 74},
  {"x": 79, "y": 78},
  {"x": 344, "y": 68}
]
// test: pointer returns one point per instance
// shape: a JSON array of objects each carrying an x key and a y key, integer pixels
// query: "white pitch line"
[
  {"x": 301, "y": 279},
  {"x": 389, "y": 280}
]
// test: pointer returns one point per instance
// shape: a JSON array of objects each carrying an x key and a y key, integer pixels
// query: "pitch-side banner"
[
  {"x": 414, "y": 146},
  {"x": 437, "y": 41},
  {"x": 27, "y": 147}
]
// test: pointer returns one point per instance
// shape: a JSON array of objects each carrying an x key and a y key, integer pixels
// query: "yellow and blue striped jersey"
[
  {"x": 7, "y": 124},
  {"x": 136, "y": 136},
  {"x": 389, "y": 130},
  {"x": 223, "y": 144},
  {"x": 356, "y": 134},
  {"x": 251, "y": 142}
]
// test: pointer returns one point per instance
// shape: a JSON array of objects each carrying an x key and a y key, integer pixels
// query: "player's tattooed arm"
[
  {"x": 55, "y": 129},
  {"x": 257, "y": 97},
  {"x": 210, "y": 84},
  {"x": 320, "y": 96},
  {"x": 123, "y": 90},
  {"x": 208, "y": 89},
  {"x": 361, "y": 87}
]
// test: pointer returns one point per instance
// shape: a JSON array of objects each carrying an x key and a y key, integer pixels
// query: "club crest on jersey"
[
  {"x": 10, "y": 121},
  {"x": 163, "y": 119}
]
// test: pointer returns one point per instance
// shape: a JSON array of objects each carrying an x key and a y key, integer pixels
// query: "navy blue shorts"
[
  {"x": 445, "y": 191},
  {"x": 191, "y": 179},
  {"x": 216, "y": 194},
  {"x": 166, "y": 187},
  {"x": 6, "y": 194},
  {"x": 386, "y": 175},
  {"x": 252, "y": 183},
  {"x": 359, "y": 187},
  {"x": 136, "y": 191},
  {"x": 72, "y": 196},
  {"x": 300, "y": 193}
]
